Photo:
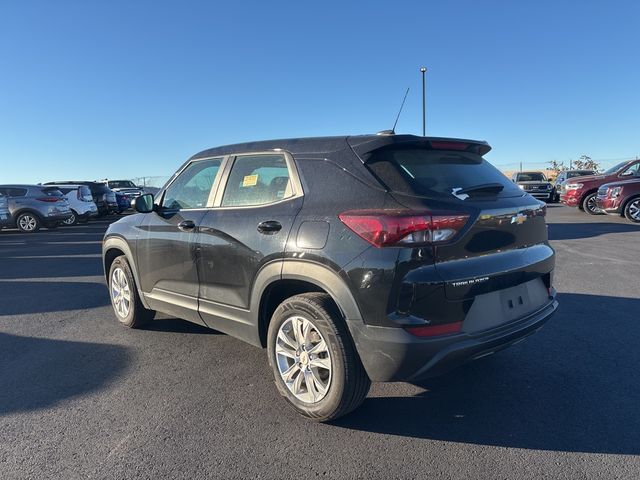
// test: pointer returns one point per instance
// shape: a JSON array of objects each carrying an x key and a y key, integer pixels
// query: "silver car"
[{"x": 34, "y": 206}]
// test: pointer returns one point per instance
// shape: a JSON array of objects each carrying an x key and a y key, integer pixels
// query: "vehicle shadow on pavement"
[
  {"x": 177, "y": 325},
  {"x": 38, "y": 373},
  {"x": 24, "y": 297},
  {"x": 571, "y": 231},
  {"x": 52, "y": 267},
  {"x": 572, "y": 387}
]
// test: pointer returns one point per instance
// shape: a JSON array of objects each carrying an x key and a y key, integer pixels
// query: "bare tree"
[
  {"x": 557, "y": 166},
  {"x": 585, "y": 162}
]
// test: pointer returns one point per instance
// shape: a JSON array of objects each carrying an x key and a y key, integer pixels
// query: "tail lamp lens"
[
  {"x": 49, "y": 199},
  {"x": 397, "y": 228}
]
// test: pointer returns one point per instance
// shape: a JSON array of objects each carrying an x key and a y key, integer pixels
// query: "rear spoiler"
[{"x": 364, "y": 145}]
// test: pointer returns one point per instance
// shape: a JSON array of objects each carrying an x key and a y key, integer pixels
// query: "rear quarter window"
[{"x": 435, "y": 173}]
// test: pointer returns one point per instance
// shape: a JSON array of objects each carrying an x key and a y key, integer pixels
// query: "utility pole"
[
  {"x": 424, "y": 104},
  {"x": 521, "y": 165}
]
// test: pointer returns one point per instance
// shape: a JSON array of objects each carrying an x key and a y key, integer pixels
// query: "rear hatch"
[{"x": 501, "y": 241}]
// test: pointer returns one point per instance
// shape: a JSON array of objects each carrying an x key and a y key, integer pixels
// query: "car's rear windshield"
[
  {"x": 530, "y": 177},
  {"x": 434, "y": 173},
  {"x": 52, "y": 192}
]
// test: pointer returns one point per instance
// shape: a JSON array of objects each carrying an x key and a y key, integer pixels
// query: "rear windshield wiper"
[{"x": 487, "y": 188}]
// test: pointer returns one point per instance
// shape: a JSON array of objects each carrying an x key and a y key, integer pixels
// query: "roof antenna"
[{"x": 393, "y": 130}]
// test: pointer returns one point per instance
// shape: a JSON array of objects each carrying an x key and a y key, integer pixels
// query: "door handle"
[
  {"x": 186, "y": 225},
  {"x": 269, "y": 227}
]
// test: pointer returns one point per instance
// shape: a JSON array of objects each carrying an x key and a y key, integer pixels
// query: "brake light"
[
  {"x": 449, "y": 145},
  {"x": 435, "y": 330},
  {"x": 49, "y": 199},
  {"x": 397, "y": 228}
]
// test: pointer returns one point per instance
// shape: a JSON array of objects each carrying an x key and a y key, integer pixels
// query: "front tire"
[
  {"x": 632, "y": 210},
  {"x": 315, "y": 364},
  {"x": 124, "y": 296},
  {"x": 28, "y": 222},
  {"x": 589, "y": 204}
]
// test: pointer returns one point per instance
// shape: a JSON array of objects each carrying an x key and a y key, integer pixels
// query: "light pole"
[{"x": 424, "y": 105}]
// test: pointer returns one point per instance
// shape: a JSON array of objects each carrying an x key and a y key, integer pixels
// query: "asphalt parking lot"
[{"x": 83, "y": 397}]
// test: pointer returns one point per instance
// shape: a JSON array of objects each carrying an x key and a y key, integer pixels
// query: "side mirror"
[
  {"x": 143, "y": 203},
  {"x": 626, "y": 173}
]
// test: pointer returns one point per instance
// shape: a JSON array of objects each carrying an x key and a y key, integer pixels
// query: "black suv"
[{"x": 351, "y": 259}]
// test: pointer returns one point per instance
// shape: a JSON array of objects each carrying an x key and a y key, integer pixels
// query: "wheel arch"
[
  {"x": 33, "y": 211},
  {"x": 114, "y": 247},
  {"x": 627, "y": 201},
  {"x": 293, "y": 278}
]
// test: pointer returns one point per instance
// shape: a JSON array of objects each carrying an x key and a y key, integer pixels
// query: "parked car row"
[
  {"x": 31, "y": 207},
  {"x": 615, "y": 191}
]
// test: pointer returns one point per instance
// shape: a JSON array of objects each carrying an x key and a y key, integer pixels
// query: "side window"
[
  {"x": 15, "y": 192},
  {"x": 257, "y": 180},
  {"x": 192, "y": 187},
  {"x": 633, "y": 170}
]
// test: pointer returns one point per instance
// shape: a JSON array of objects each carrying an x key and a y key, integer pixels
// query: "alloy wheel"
[
  {"x": 634, "y": 210},
  {"x": 27, "y": 223},
  {"x": 303, "y": 359},
  {"x": 591, "y": 204},
  {"x": 71, "y": 220},
  {"x": 120, "y": 293}
]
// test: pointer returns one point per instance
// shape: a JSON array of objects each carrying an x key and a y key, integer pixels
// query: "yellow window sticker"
[{"x": 250, "y": 181}]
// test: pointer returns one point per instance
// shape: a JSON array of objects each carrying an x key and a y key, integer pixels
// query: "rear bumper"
[{"x": 392, "y": 354}]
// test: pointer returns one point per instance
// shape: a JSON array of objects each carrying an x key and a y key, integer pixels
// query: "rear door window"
[
  {"x": 257, "y": 180},
  {"x": 434, "y": 173}
]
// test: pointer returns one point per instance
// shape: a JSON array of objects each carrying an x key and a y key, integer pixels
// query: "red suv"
[
  {"x": 581, "y": 192},
  {"x": 621, "y": 198}
]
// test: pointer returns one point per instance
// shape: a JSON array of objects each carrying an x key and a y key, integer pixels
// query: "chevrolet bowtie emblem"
[{"x": 519, "y": 219}]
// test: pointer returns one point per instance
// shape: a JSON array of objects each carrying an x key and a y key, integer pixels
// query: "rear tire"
[
  {"x": 28, "y": 222},
  {"x": 125, "y": 300},
  {"x": 632, "y": 210},
  {"x": 589, "y": 204},
  {"x": 73, "y": 220},
  {"x": 326, "y": 379}
]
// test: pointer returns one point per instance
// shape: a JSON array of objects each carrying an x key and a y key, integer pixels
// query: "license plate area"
[{"x": 496, "y": 308}]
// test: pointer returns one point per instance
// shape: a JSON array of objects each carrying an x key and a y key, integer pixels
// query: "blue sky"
[{"x": 124, "y": 89}]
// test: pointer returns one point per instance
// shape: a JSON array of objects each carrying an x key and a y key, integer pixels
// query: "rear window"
[
  {"x": 530, "y": 177},
  {"x": 416, "y": 171},
  {"x": 52, "y": 192}
]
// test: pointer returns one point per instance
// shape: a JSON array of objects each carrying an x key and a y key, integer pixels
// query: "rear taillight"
[
  {"x": 435, "y": 330},
  {"x": 49, "y": 199},
  {"x": 397, "y": 228}
]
